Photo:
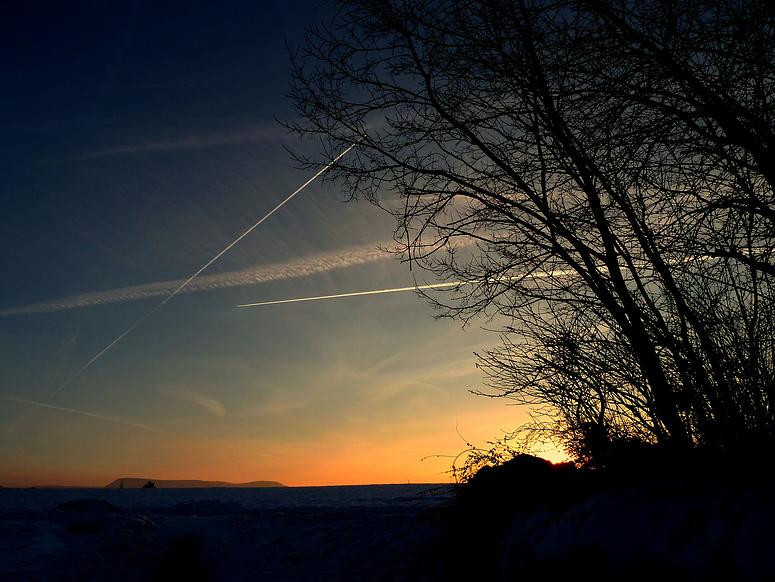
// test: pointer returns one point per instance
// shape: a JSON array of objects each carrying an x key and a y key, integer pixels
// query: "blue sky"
[{"x": 137, "y": 143}]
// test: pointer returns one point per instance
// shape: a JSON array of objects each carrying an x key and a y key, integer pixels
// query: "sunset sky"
[{"x": 137, "y": 143}]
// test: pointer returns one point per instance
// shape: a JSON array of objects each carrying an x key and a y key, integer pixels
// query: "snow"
[
  {"x": 676, "y": 529},
  {"x": 308, "y": 533}
]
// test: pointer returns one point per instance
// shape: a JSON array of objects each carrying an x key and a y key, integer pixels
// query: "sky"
[{"x": 137, "y": 141}]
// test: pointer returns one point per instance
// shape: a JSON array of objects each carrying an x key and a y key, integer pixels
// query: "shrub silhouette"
[{"x": 485, "y": 505}]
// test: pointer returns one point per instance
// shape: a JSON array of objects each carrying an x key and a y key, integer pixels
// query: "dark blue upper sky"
[
  {"x": 86, "y": 80},
  {"x": 137, "y": 141}
]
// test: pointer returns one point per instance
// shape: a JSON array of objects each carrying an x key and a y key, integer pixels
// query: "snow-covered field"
[
  {"x": 376, "y": 532},
  {"x": 669, "y": 529}
]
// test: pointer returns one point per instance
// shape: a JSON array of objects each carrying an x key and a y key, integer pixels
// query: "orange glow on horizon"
[{"x": 425, "y": 457}]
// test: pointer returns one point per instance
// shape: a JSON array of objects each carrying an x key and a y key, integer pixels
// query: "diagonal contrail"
[
  {"x": 180, "y": 288},
  {"x": 82, "y": 412}
]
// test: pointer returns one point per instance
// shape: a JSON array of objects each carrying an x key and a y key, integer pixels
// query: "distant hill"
[
  {"x": 56, "y": 487},
  {"x": 135, "y": 483}
]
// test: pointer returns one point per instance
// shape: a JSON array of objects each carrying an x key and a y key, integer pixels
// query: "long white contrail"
[
  {"x": 74, "y": 411},
  {"x": 192, "y": 277},
  {"x": 308, "y": 265},
  {"x": 375, "y": 292}
]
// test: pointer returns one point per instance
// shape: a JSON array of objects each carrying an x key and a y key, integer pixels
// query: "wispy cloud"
[
  {"x": 310, "y": 265},
  {"x": 200, "y": 141},
  {"x": 184, "y": 394},
  {"x": 81, "y": 412}
]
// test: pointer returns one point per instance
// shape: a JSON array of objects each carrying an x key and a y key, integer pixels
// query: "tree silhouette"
[{"x": 596, "y": 175}]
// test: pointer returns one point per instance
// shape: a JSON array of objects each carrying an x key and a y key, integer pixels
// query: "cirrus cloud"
[{"x": 184, "y": 394}]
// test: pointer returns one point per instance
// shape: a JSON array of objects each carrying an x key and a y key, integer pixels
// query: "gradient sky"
[{"x": 137, "y": 143}]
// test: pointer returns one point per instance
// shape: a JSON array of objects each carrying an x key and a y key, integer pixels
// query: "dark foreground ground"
[{"x": 526, "y": 521}]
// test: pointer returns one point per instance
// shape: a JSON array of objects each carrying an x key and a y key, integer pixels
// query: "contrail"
[
  {"x": 557, "y": 273},
  {"x": 375, "y": 292},
  {"x": 192, "y": 277},
  {"x": 540, "y": 275},
  {"x": 93, "y": 415},
  {"x": 309, "y": 265}
]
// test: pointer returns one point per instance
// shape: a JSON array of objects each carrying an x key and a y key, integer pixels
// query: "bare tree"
[{"x": 595, "y": 174}]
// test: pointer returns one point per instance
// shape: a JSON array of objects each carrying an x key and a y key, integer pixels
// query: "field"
[{"x": 304, "y": 533}]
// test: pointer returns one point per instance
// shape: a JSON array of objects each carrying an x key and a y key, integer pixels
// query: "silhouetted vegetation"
[
  {"x": 486, "y": 503},
  {"x": 149, "y": 485},
  {"x": 490, "y": 499},
  {"x": 596, "y": 175}
]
